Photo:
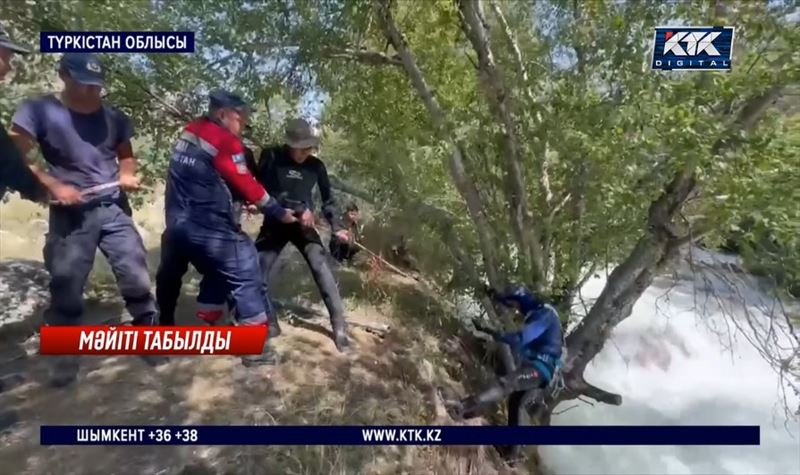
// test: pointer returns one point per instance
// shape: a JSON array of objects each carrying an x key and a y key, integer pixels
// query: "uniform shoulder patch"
[{"x": 240, "y": 162}]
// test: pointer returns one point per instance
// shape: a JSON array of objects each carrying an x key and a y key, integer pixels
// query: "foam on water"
[{"x": 670, "y": 363}]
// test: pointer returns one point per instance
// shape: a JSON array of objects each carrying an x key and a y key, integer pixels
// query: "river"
[{"x": 680, "y": 359}]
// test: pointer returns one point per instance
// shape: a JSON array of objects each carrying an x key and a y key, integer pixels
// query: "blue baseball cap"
[
  {"x": 85, "y": 68},
  {"x": 222, "y": 99}
]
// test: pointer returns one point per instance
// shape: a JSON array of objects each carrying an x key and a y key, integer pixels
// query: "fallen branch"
[{"x": 600, "y": 395}]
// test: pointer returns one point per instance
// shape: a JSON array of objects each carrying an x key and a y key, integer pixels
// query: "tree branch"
[
  {"x": 362, "y": 55},
  {"x": 600, "y": 395},
  {"x": 656, "y": 248},
  {"x": 513, "y": 44}
]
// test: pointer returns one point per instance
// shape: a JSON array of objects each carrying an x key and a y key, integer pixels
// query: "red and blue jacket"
[{"x": 207, "y": 174}]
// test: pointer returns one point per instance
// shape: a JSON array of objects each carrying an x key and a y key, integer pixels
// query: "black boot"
[
  {"x": 340, "y": 338},
  {"x": 63, "y": 370},
  {"x": 472, "y": 406},
  {"x": 151, "y": 360},
  {"x": 274, "y": 326},
  {"x": 266, "y": 358},
  {"x": 454, "y": 408}
]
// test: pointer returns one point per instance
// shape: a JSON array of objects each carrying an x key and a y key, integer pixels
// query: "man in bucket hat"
[
  {"x": 291, "y": 172},
  {"x": 7, "y": 50}
]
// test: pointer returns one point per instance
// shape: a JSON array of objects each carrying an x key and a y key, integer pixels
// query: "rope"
[
  {"x": 373, "y": 254},
  {"x": 93, "y": 189}
]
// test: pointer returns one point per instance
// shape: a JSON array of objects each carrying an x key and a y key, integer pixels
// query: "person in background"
[
  {"x": 290, "y": 172},
  {"x": 203, "y": 221},
  {"x": 346, "y": 250},
  {"x": 90, "y": 167},
  {"x": 401, "y": 255},
  {"x": 14, "y": 172}
]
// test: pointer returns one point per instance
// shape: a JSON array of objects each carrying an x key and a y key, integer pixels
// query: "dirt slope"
[{"x": 384, "y": 381}]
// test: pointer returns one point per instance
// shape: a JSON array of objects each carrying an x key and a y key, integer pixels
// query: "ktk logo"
[
  {"x": 696, "y": 43},
  {"x": 693, "y": 48}
]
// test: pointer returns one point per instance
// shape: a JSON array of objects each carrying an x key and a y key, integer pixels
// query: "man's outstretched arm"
[{"x": 15, "y": 173}]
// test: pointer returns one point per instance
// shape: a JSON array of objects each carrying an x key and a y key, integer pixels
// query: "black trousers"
[
  {"x": 342, "y": 251},
  {"x": 520, "y": 386},
  {"x": 169, "y": 279},
  {"x": 271, "y": 240},
  {"x": 515, "y": 386}
]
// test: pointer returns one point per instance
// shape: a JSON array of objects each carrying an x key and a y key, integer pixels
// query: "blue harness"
[{"x": 547, "y": 365}]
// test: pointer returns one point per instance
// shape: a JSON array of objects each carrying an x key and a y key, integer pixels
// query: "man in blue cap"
[
  {"x": 175, "y": 263},
  {"x": 90, "y": 166},
  {"x": 14, "y": 172},
  {"x": 207, "y": 171}
]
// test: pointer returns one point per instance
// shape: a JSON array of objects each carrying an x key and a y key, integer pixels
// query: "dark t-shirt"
[{"x": 80, "y": 149}]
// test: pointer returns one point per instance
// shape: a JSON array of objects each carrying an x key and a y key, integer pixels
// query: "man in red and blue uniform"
[
  {"x": 207, "y": 170},
  {"x": 169, "y": 278}
]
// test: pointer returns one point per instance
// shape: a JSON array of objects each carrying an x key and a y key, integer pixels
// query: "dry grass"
[{"x": 384, "y": 381}]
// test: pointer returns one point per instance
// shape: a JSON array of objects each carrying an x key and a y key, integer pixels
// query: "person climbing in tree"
[
  {"x": 537, "y": 347},
  {"x": 346, "y": 250}
]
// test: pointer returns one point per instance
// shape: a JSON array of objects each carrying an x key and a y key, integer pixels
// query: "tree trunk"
[
  {"x": 466, "y": 187},
  {"x": 501, "y": 104},
  {"x": 531, "y": 112}
]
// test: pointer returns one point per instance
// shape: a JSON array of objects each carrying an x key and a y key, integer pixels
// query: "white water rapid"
[{"x": 679, "y": 359}]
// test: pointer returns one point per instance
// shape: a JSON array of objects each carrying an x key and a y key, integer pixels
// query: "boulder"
[{"x": 23, "y": 294}]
